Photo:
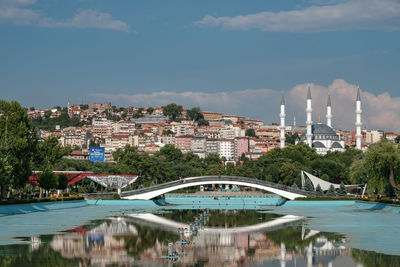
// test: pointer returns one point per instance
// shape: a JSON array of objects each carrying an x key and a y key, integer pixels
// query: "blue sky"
[{"x": 52, "y": 51}]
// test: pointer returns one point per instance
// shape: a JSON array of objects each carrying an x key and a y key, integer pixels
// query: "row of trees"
[
  {"x": 20, "y": 148},
  {"x": 174, "y": 113},
  {"x": 281, "y": 166}
]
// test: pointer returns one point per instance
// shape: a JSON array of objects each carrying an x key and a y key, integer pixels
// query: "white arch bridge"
[{"x": 160, "y": 189}]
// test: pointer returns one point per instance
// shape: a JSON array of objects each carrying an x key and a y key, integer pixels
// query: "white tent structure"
[
  {"x": 114, "y": 181},
  {"x": 322, "y": 183}
]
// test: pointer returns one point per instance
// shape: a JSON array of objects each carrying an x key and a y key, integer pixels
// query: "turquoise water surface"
[{"x": 353, "y": 231}]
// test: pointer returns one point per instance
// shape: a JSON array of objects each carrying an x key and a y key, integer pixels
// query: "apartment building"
[
  {"x": 72, "y": 136},
  {"x": 184, "y": 143},
  {"x": 117, "y": 141},
  {"x": 102, "y": 127},
  {"x": 227, "y": 133},
  {"x": 198, "y": 146},
  {"x": 124, "y": 127},
  {"x": 226, "y": 149},
  {"x": 211, "y": 146},
  {"x": 241, "y": 146},
  {"x": 166, "y": 139}
]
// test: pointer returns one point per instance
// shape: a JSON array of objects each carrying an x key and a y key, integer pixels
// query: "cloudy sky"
[{"x": 230, "y": 56}]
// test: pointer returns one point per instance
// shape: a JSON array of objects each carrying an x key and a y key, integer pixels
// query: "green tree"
[
  {"x": 150, "y": 110},
  {"x": 195, "y": 114},
  {"x": 325, "y": 177},
  {"x": 319, "y": 190},
  {"x": 250, "y": 132},
  {"x": 171, "y": 153},
  {"x": 215, "y": 169},
  {"x": 331, "y": 191},
  {"x": 291, "y": 139},
  {"x": 342, "y": 190},
  {"x": 17, "y": 145},
  {"x": 49, "y": 152},
  {"x": 358, "y": 173},
  {"x": 203, "y": 122},
  {"x": 308, "y": 186},
  {"x": 92, "y": 143},
  {"x": 48, "y": 180},
  {"x": 62, "y": 182},
  {"x": 91, "y": 188},
  {"x": 173, "y": 111},
  {"x": 381, "y": 159},
  {"x": 212, "y": 159}
]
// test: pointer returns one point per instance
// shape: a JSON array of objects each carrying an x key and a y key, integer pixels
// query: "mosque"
[{"x": 322, "y": 137}]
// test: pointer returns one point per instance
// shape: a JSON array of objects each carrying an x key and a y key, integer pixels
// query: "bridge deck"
[{"x": 215, "y": 180}]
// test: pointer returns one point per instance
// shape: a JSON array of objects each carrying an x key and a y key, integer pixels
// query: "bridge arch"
[{"x": 157, "y": 190}]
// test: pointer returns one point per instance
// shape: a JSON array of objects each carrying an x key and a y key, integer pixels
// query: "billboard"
[{"x": 96, "y": 154}]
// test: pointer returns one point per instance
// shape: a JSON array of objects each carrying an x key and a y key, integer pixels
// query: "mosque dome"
[
  {"x": 322, "y": 129},
  {"x": 318, "y": 145},
  {"x": 336, "y": 145}
]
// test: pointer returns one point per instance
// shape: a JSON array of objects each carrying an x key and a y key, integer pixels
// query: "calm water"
[{"x": 192, "y": 237}]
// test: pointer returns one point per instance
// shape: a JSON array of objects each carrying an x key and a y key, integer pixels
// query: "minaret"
[
  {"x": 309, "y": 118},
  {"x": 358, "y": 120},
  {"x": 282, "y": 126},
  {"x": 329, "y": 112}
]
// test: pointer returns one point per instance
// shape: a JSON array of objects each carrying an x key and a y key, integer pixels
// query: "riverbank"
[
  {"x": 39, "y": 200},
  {"x": 39, "y": 207}
]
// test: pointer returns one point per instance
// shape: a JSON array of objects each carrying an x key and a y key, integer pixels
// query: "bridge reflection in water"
[{"x": 143, "y": 238}]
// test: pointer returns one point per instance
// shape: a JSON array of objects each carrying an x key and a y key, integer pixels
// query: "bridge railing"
[{"x": 216, "y": 178}]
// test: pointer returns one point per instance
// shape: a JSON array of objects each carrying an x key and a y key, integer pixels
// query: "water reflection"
[{"x": 193, "y": 237}]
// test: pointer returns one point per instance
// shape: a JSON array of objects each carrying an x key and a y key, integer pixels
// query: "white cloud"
[
  {"x": 17, "y": 2},
  {"x": 17, "y": 12},
  {"x": 18, "y": 15},
  {"x": 88, "y": 19},
  {"x": 352, "y": 14},
  {"x": 379, "y": 111},
  {"x": 220, "y": 101}
]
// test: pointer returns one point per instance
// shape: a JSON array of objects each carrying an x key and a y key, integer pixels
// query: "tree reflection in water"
[{"x": 127, "y": 241}]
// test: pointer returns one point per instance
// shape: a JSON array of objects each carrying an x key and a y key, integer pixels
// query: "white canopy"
[
  {"x": 322, "y": 183},
  {"x": 113, "y": 181}
]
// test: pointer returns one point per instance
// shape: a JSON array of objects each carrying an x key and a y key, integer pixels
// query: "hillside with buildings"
[{"x": 232, "y": 137}]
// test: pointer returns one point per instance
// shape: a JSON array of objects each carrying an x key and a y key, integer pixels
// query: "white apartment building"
[
  {"x": 211, "y": 146},
  {"x": 166, "y": 139},
  {"x": 181, "y": 129},
  {"x": 124, "y": 127},
  {"x": 198, "y": 146},
  {"x": 226, "y": 149},
  {"x": 117, "y": 141},
  {"x": 227, "y": 132},
  {"x": 373, "y": 136},
  {"x": 102, "y": 127},
  {"x": 72, "y": 136}
]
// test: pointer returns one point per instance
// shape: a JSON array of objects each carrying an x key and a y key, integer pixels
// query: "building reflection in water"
[{"x": 143, "y": 239}]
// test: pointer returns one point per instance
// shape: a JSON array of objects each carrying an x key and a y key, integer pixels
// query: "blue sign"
[{"x": 96, "y": 154}]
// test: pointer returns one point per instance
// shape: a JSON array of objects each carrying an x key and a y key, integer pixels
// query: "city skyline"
[{"x": 231, "y": 58}]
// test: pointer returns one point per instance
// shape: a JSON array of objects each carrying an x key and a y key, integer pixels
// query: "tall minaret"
[
  {"x": 358, "y": 120},
  {"x": 329, "y": 112},
  {"x": 309, "y": 118},
  {"x": 282, "y": 126}
]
